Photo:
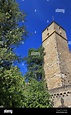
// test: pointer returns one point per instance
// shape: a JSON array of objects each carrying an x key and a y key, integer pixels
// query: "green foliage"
[
  {"x": 14, "y": 92},
  {"x": 11, "y": 35},
  {"x": 11, "y": 87},
  {"x": 34, "y": 63},
  {"x": 7, "y": 58},
  {"x": 36, "y": 95},
  {"x": 10, "y": 16}
]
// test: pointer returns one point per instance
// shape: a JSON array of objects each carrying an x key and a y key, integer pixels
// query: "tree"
[
  {"x": 12, "y": 32},
  {"x": 36, "y": 94},
  {"x": 35, "y": 61},
  {"x": 11, "y": 88}
]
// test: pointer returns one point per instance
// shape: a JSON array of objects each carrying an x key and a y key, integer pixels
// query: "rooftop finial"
[{"x": 52, "y": 18}]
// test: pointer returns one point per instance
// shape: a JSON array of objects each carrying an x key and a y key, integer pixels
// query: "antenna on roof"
[{"x": 52, "y": 18}]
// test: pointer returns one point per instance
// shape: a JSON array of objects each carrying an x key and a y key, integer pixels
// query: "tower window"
[
  {"x": 60, "y": 93},
  {"x": 57, "y": 94},
  {"x": 64, "y": 92},
  {"x": 68, "y": 92},
  {"x": 48, "y": 34},
  {"x": 59, "y": 27},
  {"x": 60, "y": 30},
  {"x": 47, "y": 29}
]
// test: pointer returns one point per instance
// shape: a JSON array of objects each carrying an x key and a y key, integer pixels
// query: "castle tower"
[{"x": 57, "y": 64}]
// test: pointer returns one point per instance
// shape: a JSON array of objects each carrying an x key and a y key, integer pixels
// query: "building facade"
[{"x": 57, "y": 64}]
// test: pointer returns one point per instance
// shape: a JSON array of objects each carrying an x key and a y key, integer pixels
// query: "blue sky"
[{"x": 39, "y": 16}]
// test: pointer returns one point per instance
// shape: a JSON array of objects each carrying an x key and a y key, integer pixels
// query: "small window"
[
  {"x": 47, "y": 29},
  {"x": 60, "y": 93},
  {"x": 59, "y": 27},
  {"x": 57, "y": 94},
  {"x": 48, "y": 34},
  {"x": 68, "y": 92},
  {"x": 64, "y": 92}
]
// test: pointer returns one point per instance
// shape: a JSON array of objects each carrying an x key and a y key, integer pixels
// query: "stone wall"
[
  {"x": 51, "y": 63},
  {"x": 57, "y": 61},
  {"x": 64, "y": 60},
  {"x": 61, "y": 93},
  {"x": 57, "y": 64}
]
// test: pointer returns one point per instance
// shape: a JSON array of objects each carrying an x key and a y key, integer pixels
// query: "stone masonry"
[{"x": 57, "y": 64}]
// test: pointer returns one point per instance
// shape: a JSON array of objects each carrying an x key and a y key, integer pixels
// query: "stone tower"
[{"x": 57, "y": 64}]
